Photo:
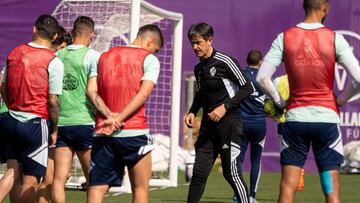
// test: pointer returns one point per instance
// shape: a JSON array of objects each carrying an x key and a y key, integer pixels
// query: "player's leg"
[
  {"x": 63, "y": 156},
  {"x": 257, "y": 143},
  {"x": 82, "y": 146},
  {"x": 229, "y": 135},
  {"x": 44, "y": 191},
  {"x": 9, "y": 179},
  {"x": 140, "y": 175},
  {"x": 295, "y": 144},
  {"x": 244, "y": 143},
  {"x": 288, "y": 184},
  {"x": 136, "y": 154},
  {"x": 301, "y": 184},
  {"x": 33, "y": 136},
  {"x": 205, "y": 156},
  {"x": 29, "y": 187},
  {"x": 105, "y": 170},
  {"x": 96, "y": 193},
  {"x": 70, "y": 139},
  {"x": 330, "y": 185},
  {"x": 63, "y": 162},
  {"x": 15, "y": 191},
  {"x": 328, "y": 153},
  {"x": 84, "y": 158}
]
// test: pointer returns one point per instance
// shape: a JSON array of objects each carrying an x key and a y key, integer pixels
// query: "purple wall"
[{"x": 240, "y": 25}]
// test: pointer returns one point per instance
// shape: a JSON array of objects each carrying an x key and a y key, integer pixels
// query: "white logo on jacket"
[{"x": 212, "y": 71}]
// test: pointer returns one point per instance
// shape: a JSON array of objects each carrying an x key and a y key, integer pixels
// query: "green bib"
[
  {"x": 3, "y": 107},
  {"x": 74, "y": 106}
]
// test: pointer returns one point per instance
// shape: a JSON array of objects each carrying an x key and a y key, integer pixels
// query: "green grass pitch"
[{"x": 218, "y": 191}]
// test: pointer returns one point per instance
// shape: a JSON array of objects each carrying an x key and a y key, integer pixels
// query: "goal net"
[{"x": 116, "y": 23}]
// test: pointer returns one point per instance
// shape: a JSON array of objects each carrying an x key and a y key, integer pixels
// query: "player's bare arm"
[
  {"x": 96, "y": 100},
  {"x": 54, "y": 110}
]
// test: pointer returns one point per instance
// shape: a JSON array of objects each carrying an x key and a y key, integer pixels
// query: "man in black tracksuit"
[{"x": 221, "y": 88}]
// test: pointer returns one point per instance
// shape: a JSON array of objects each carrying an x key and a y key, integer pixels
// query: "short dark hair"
[
  {"x": 202, "y": 29},
  {"x": 153, "y": 29},
  {"x": 83, "y": 26},
  {"x": 67, "y": 38},
  {"x": 46, "y": 27},
  {"x": 254, "y": 57},
  {"x": 64, "y": 36},
  {"x": 309, "y": 5}
]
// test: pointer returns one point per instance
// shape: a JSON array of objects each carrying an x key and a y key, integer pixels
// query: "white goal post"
[{"x": 117, "y": 23}]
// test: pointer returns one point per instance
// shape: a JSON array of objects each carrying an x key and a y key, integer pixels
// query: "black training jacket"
[{"x": 220, "y": 81}]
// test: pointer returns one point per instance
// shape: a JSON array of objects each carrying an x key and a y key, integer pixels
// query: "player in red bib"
[
  {"x": 30, "y": 88},
  {"x": 126, "y": 77},
  {"x": 310, "y": 51}
]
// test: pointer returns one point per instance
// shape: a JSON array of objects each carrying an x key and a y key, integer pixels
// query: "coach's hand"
[
  {"x": 190, "y": 120},
  {"x": 53, "y": 137},
  {"x": 217, "y": 113}
]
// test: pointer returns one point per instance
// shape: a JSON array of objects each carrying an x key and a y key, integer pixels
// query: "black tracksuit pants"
[{"x": 224, "y": 138}]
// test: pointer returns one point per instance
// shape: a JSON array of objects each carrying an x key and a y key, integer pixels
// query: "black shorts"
[
  {"x": 325, "y": 139},
  {"x": 27, "y": 142},
  {"x": 78, "y": 137},
  {"x": 110, "y": 155}
]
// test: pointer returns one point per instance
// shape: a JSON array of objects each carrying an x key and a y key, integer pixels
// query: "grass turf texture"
[{"x": 217, "y": 190}]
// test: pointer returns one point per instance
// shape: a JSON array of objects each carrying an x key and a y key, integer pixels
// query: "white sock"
[{"x": 252, "y": 199}]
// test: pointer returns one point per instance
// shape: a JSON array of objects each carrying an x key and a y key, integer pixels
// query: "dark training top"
[
  {"x": 220, "y": 81},
  {"x": 252, "y": 108}
]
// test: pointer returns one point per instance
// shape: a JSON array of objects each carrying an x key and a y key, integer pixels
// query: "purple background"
[{"x": 240, "y": 25}]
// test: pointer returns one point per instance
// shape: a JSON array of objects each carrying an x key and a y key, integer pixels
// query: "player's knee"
[
  {"x": 326, "y": 182},
  {"x": 288, "y": 183},
  {"x": 47, "y": 180},
  {"x": 59, "y": 180}
]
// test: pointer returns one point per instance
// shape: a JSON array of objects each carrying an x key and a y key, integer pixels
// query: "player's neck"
[
  {"x": 254, "y": 66},
  {"x": 313, "y": 17},
  {"x": 42, "y": 42},
  {"x": 138, "y": 43},
  {"x": 81, "y": 41}
]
